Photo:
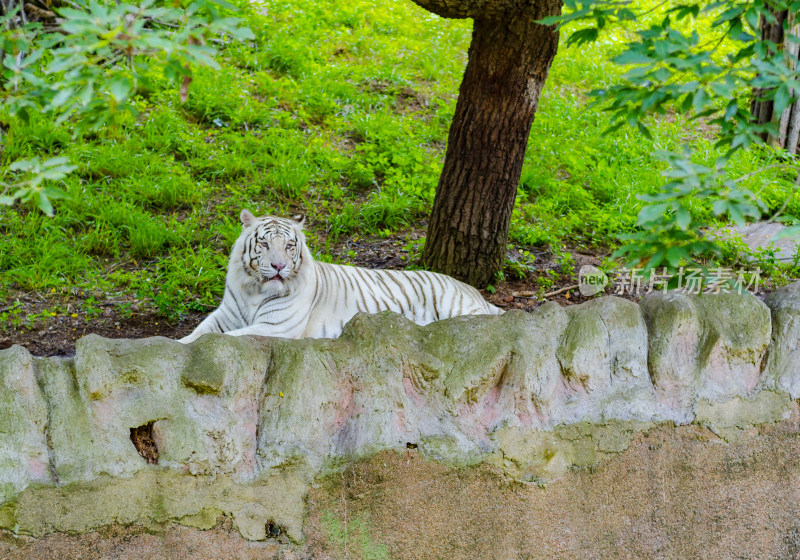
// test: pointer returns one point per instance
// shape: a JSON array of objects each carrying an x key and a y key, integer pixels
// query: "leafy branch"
[
  {"x": 30, "y": 182},
  {"x": 87, "y": 67},
  {"x": 715, "y": 81}
]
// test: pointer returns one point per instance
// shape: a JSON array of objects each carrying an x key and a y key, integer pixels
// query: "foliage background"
[{"x": 341, "y": 111}]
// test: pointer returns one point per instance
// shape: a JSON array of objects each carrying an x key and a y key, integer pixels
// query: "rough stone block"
[
  {"x": 75, "y": 455},
  {"x": 736, "y": 334},
  {"x": 674, "y": 333},
  {"x": 709, "y": 346},
  {"x": 499, "y": 372},
  {"x": 154, "y": 498},
  {"x": 603, "y": 357},
  {"x": 783, "y": 365},
  {"x": 23, "y": 424},
  {"x": 202, "y": 401}
]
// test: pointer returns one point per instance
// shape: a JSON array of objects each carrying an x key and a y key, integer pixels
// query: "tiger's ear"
[
  {"x": 300, "y": 219},
  {"x": 247, "y": 218}
]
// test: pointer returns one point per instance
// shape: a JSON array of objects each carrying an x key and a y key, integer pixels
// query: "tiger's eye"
[{"x": 264, "y": 244}]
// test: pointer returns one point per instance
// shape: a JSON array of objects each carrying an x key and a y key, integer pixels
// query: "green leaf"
[
  {"x": 676, "y": 256},
  {"x": 24, "y": 114},
  {"x": 632, "y": 57},
  {"x": 61, "y": 63},
  {"x": 683, "y": 218},
  {"x": 24, "y": 164},
  {"x": 657, "y": 258},
  {"x": 730, "y": 110},
  {"x": 722, "y": 89},
  {"x": 44, "y": 204},
  {"x": 32, "y": 57},
  {"x": 242, "y": 34},
  {"x": 58, "y": 173},
  {"x": 719, "y": 207},
  {"x": 85, "y": 96},
  {"x": 120, "y": 87},
  {"x": 736, "y": 215},
  {"x": 62, "y": 97},
  {"x": 652, "y": 213},
  {"x": 700, "y": 100},
  {"x": 52, "y": 162},
  {"x": 550, "y": 20},
  {"x": 583, "y": 36},
  {"x": 783, "y": 97},
  {"x": 686, "y": 105},
  {"x": 729, "y": 14}
]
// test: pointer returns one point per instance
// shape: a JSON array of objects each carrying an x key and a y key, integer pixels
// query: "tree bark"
[
  {"x": 763, "y": 109},
  {"x": 509, "y": 59}
]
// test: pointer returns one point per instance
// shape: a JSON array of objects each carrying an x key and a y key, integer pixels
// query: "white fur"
[{"x": 314, "y": 299}]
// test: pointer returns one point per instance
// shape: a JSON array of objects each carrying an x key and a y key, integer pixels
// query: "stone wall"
[{"x": 153, "y": 433}]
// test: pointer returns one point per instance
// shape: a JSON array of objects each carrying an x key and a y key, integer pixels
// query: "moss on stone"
[
  {"x": 206, "y": 518},
  {"x": 155, "y": 496},
  {"x": 213, "y": 358},
  {"x": 742, "y": 319},
  {"x": 8, "y": 516},
  {"x": 783, "y": 367},
  {"x": 450, "y": 451},
  {"x": 540, "y": 455},
  {"x": 728, "y": 419}
]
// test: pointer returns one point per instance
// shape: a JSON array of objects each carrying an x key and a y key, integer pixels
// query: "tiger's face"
[{"x": 272, "y": 248}]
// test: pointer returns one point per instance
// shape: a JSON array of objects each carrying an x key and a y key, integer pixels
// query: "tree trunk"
[
  {"x": 763, "y": 109},
  {"x": 508, "y": 63}
]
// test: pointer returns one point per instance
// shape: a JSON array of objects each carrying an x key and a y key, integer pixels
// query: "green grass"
[{"x": 340, "y": 111}]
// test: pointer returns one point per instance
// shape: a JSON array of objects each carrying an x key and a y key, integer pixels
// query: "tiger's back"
[{"x": 418, "y": 295}]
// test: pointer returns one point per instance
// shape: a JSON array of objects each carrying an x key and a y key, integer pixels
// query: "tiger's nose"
[{"x": 278, "y": 266}]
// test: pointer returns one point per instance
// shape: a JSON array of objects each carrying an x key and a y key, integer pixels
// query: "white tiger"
[{"x": 274, "y": 287}]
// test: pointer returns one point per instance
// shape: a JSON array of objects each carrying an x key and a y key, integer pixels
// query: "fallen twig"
[{"x": 561, "y": 291}]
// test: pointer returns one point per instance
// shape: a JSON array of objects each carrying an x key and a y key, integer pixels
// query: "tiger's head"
[{"x": 274, "y": 249}]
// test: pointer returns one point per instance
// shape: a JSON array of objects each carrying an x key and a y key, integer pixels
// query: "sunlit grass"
[{"x": 340, "y": 111}]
